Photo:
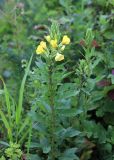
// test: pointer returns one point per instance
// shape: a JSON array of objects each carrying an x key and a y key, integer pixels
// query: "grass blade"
[
  {"x": 20, "y": 102},
  {"x": 7, "y": 125},
  {"x": 7, "y": 100},
  {"x": 27, "y": 120}
]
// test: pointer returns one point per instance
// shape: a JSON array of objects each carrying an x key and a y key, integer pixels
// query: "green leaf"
[
  {"x": 4, "y": 143},
  {"x": 111, "y": 2},
  {"x": 34, "y": 157},
  {"x": 71, "y": 132},
  {"x": 67, "y": 132},
  {"x": 45, "y": 145},
  {"x": 69, "y": 154},
  {"x": 2, "y": 158},
  {"x": 108, "y": 147},
  {"x": 35, "y": 145},
  {"x": 69, "y": 112},
  {"x": 112, "y": 79},
  {"x": 67, "y": 90}
]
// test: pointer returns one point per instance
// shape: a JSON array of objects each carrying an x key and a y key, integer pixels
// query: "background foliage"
[{"x": 85, "y": 101}]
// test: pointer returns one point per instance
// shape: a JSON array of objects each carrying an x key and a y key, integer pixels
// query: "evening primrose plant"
[
  {"x": 52, "y": 49},
  {"x": 52, "y": 111}
]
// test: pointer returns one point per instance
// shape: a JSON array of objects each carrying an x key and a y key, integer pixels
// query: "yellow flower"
[
  {"x": 48, "y": 38},
  {"x": 43, "y": 44},
  {"x": 65, "y": 40},
  {"x": 62, "y": 48},
  {"x": 54, "y": 43},
  {"x": 59, "y": 57},
  {"x": 40, "y": 50}
]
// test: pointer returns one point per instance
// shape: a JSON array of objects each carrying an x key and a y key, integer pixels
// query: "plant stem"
[{"x": 53, "y": 120}]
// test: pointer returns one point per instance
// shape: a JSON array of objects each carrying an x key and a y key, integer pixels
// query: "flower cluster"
[{"x": 54, "y": 46}]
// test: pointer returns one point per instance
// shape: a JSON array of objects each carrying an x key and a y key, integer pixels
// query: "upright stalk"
[
  {"x": 53, "y": 119},
  {"x": 52, "y": 50}
]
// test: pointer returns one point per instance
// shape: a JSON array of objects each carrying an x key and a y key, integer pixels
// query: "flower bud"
[
  {"x": 48, "y": 38},
  {"x": 59, "y": 57}
]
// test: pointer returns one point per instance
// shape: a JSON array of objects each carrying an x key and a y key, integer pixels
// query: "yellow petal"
[
  {"x": 40, "y": 50},
  {"x": 59, "y": 57},
  {"x": 65, "y": 40},
  {"x": 48, "y": 38},
  {"x": 54, "y": 43},
  {"x": 43, "y": 44}
]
